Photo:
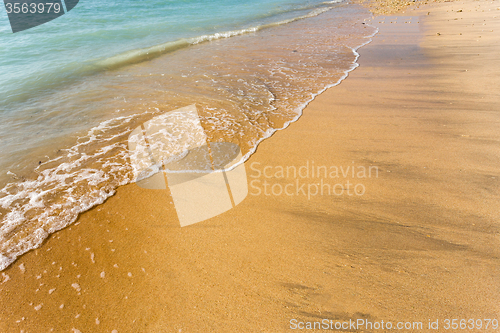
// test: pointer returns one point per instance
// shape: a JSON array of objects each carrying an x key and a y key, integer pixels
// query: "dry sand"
[{"x": 421, "y": 243}]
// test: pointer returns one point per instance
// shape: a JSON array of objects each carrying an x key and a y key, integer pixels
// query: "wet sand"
[{"x": 421, "y": 243}]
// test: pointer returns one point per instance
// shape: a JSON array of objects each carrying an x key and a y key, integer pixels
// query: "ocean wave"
[
  {"x": 148, "y": 53},
  {"x": 266, "y": 95}
]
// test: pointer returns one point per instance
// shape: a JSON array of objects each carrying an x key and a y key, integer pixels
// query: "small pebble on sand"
[{"x": 5, "y": 277}]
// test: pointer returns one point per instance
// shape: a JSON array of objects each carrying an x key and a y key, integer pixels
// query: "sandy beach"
[{"x": 413, "y": 239}]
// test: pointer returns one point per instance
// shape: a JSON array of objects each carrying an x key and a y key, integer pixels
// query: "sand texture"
[{"x": 418, "y": 241}]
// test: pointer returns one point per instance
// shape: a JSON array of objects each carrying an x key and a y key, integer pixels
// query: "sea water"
[{"x": 73, "y": 89}]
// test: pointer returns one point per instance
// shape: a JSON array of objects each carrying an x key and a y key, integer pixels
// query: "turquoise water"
[
  {"x": 37, "y": 60},
  {"x": 73, "y": 90}
]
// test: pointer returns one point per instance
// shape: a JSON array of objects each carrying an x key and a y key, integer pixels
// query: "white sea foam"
[
  {"x": 247, "y": 107},
  {"x": 139, "y": 55}
]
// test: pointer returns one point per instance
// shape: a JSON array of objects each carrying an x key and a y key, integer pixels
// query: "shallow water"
[{"x": 65, "y": 146}]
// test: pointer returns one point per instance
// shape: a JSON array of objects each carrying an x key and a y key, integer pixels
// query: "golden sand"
[{"x": 421, "y": 243}]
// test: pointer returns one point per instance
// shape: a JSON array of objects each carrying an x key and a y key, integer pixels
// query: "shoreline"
[
  {"x": 412, "y": 248},
  {"x": 225, "y": 112}
]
